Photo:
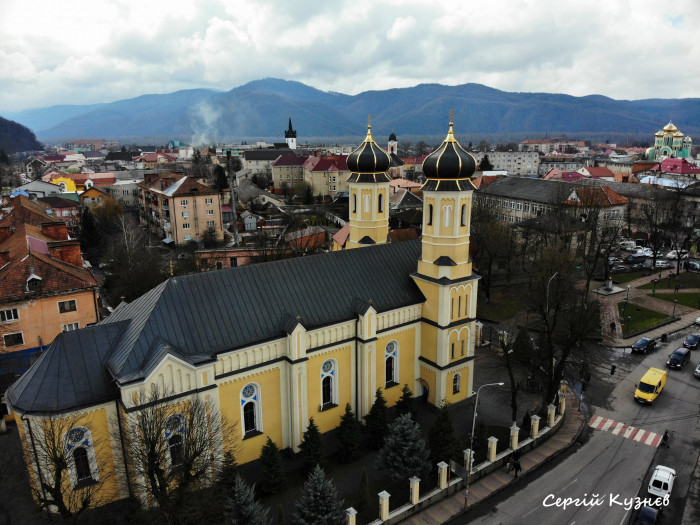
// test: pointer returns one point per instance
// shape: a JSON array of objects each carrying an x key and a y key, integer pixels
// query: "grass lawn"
[
  {"x": 687, "y": 279},
  {"x": 641, "y": 316},
  {"x": 627, "y": 277},
  {"x": 691, "y": 300},
  {"x": 499, "y": 309}
]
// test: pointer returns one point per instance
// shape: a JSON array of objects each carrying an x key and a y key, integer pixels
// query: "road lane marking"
[
  {"x": 533, "y": 510},
  {"x": 574, "y": 481},
  {"x": 618, "y": 428}
]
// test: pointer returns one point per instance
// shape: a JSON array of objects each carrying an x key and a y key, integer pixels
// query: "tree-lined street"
[{"x": 606, "y": 464}]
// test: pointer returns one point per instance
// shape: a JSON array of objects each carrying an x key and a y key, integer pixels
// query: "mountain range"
[
  {"x": 16, "y": 137},
  {"x": 260, "y": 109}
]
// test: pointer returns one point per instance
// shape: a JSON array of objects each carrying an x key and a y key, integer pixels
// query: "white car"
[
  {"x": 648, "y": 252},
  {"x": 673, "y": 254},
  {"x": 661, "y": 482},
  {"x": 662, "y": 264}
]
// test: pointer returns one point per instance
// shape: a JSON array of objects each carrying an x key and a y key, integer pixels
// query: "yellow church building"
[{"x": 272, "y": 345}]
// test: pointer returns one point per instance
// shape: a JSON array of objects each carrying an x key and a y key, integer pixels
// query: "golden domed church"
[
  {"x": 271, "y": 345},
  {"x": 669, "y": 142}
]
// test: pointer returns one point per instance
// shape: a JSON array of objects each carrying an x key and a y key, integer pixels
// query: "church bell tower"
[
  {"x": 444, "y": 273},
  {"x": 369, "y": 194},
  {"x": 291, "y": 135}
]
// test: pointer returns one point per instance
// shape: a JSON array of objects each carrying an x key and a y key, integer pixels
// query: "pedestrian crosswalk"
[{"x": 621, "y": 429}]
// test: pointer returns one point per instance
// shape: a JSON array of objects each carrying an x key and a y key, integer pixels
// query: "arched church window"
[
  {"x": 391, "y": 363},
  {"x": 430, "y": 214},
  {"x": 175, "y": 446},
  {"x": 464, "y": 214},
  {"x": 380, "y": 201},
  {"x": 251, "y": 410},
  {"x": 354, "y": 203},
  {"x": 456, "y": 380},
  {"x": 82, "y": 463},
  {"x": 329, "y": 383}
]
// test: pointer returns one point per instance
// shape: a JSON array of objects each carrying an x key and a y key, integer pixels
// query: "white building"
[{"x": 520, "y": 163}]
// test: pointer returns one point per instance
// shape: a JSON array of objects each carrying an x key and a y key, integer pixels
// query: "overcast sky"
[{"x": 87, "y": 51}]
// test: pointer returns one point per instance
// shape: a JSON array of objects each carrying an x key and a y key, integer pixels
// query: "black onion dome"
[
  {"x": 369, "y": 158},
  {"x": 449, "y": 161},
  {"x": 392, "y": 137}
]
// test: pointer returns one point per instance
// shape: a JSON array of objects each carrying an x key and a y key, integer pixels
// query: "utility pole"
[{"x": 232, "y": 189}]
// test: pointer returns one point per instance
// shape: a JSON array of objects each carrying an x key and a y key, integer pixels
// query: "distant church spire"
[{"x": 291, "y": 135}]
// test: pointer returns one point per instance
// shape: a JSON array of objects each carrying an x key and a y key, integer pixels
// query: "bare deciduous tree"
[
  {"x": 174, "y": 447},
  {"x": 63, "y": 452}
]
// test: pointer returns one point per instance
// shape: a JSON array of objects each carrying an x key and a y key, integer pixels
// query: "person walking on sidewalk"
[
  {"x": 612, "y": 327},
  {"x": 509, "y": 464},
  {"x": 516, "y": 467}
]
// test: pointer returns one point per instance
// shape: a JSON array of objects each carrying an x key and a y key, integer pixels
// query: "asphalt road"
[{"x": 609, "y": 465}]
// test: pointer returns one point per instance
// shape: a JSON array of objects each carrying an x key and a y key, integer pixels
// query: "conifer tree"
[
  {"x": 480, "y": 437},
  {"x": 365, "y": 500},
  {"x": 319, "y": 504},
  {"x": 271, "y": 463},
  {"x": 280, "y": 515},
  {"x": 228, "y": 472},
  {"x": 220, "y": 180},
  {"x": 376, "y": 421},
  {"x": 485, "y": 164},
  {"x": 404, "y": 452},
  {"x": 242, "y": 509},
  {"x": 407, "y": 403},
  {"x": 442, "y": 440},
  {"x": 349, "y": 435},
  {"x": 312, "y": 447},
  {"x": 527, "y": 420}
]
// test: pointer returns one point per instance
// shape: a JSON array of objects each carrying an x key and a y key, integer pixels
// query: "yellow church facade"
[{"x": 271, "y": 348}]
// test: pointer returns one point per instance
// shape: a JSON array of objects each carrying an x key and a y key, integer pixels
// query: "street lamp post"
[
  {"x": 675, "y": 302},
  {"x": 471, "y": 441},
  {"x": 629, "y": 319},
  {"x": 547, "y": 301}
]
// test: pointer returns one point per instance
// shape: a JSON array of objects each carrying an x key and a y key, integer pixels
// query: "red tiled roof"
[
  {"x": 602, "y": 196},
  {"x": 28, "y": 252},
  {"x": 483, "y": 180},
  {"x": 21, "y": 210},
  {"x": 332, "y": 164},
  {"x": 403, "y": 183},
  {"x": 600, "y": 171},
  {"x": 643, "y": 166},
  {"x": 341, "y": 236},
  {"x": 681, "y": 166}
]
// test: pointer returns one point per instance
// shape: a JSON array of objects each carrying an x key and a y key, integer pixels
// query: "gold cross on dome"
[
  {"x": 369, "y": 120},
  {"x": 452, "y": 114}
]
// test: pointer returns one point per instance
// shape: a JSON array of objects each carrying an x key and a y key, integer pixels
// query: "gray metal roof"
[
  {"x": 70, "y": 374},
  {"x": 628, "y": 189},
  {"x": 528, "y": 189},
  {"x": 199, "y": 315}
]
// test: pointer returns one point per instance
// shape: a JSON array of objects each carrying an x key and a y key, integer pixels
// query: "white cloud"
[
  {"x": 76, "y": 52},
  {"x": 401, "y": 27}
]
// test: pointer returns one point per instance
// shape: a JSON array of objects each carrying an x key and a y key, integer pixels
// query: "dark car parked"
[
  {"x": 618, "y": 269},
  {"x": 678, "y": 358},
  {"x": 692, "y": 341},
  {"x": 644, "y": 345},
  {"x": 637, "y": 267},
  {"x": 648, "y": 516}
]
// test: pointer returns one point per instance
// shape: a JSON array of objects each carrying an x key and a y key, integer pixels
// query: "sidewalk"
[
  {"x": 642, "y": 298},
  {"x": 448, "y": 508}
]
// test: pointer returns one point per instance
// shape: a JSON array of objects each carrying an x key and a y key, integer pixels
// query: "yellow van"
[{"x": 651, "y": 385}]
